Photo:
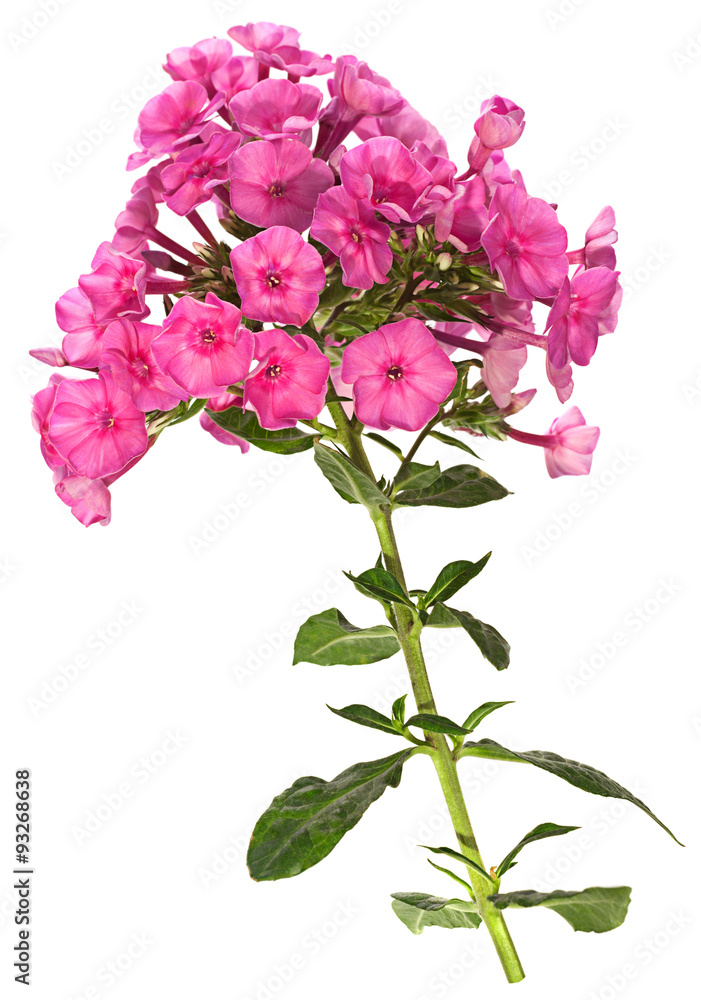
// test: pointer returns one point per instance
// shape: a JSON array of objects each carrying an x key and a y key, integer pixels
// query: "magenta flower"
[
  {"x": 202, "y": 345},
  {"x": 239, "y": 73},
  {"x": 399, "y": 374},
  {"x": 360, "y": 91},
  {"x": 128, "y": 356},
  {"x": 89, "y": 499},
  {"x": 598, "y": 242},
  {"x": 42, "y": 408},
  {"x": 350, "y": 229},
  {"x": 117, "y": 285},
  {"x": 469, "y": 215},
  {"x": 189, "y": 180},
  {"x": 199, "y": 62},
  {"x": 575, "y": 319},
  {"x": 83, "y": 341},
  {"x": 51, "y": 356},
  {"x": 289, "y": 384},
  {"x": 384, "y": 171},
  {"x": 407, "y": 125},
  {"x": 223, "y": 401},
  {"x": 560, "y": 379},
  {"x": 275, "y": 108},
  {"x": 277, "y": 183},
  {"x": 173, "y": 117},
  {"x": 263, "y": 36},
  {"x": 500, "y": 125},
  {"x": 278, "y": 276},
  {"x": 525, "y": 243},
  {"x": 133, "y": 225},
  {"x": 502, "y": 359},
  {"x": 95, "y": 427},
  {"x": 569, "y": 445}
]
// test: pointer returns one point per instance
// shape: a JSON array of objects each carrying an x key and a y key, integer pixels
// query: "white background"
[{"x": 612, "y": 101}]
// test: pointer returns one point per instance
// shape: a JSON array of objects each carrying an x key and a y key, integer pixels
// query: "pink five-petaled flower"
[
  {"x": 598, "y": 242},
  {"x": 117, "y": 285},
  {"x": 569, "y": 445},
  {"x": 89, "y": 499},
  {"x": 128, "y": 356},
  {"x": 500, "y": 125},
  {"x": 196, "y": 170},
  {"x": 360, "y": 91},
  {"x": 171, "y": 118},
  {"x": 277, "y": 183},
  {"x": 585, "y": 308},
  {"x": 525, "y": 243},
  {"x": 275, "y": 108},
  {"x": 289, "y": 384},
  {"x": 400, "y": 375},
  {"x": 83, "y": 341},
  {"x": 198, "y": 62},
  {"x": 95, "y": 426},
  {"x": 202, "y": 345},
  {"x": 384, "y": 171},
  {"x": 278, "y": 276},
  {"x": 264, "y": 36},
  {"x": 350, "y": 229}
]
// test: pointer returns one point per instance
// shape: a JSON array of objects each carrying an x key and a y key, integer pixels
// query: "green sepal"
[
  {"x": 459, "y": 486},
  {"x": 453, "y": 578},
  {"x": 418, "y": 910},
  {"x": 329, "y": 638},
  {"x": 363, "y": 715},
  {"x": 595, "y": 909},
  {"x": 381, "y": 585},
  {"x": 491, "y": 644},
  {"x": 348, "y": 481},
  {"x": 245, "y": 425},
  {"x": 540, "y": 832},
  {"x": 304, "y": 823}
]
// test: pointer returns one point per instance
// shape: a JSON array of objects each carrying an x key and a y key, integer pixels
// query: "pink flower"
[
  {"x": 117, "y": 285},
  {"x": 502, "y": 359},
  {"x": 42, "y": 408},
  {"x": 289, "y": 384},
  {"x": 278, "y": 276},
  {"x": 95, "y": 427},
  {"x": 469, "y": 215},
  {"x": 50, "y": 356},
  {"x": 198, "y": 62},
  {"x": 277, "y": 183},
  {"x": 189, "y": 180},
  {"x": 263, "y": 36},
  {"x": 173, "y": 117},
  {"x": 360, "y": 91},
  {"x": 349, "y": 228},
  {"x": 223, "y": 401},
  {"x": 575, "y": 319},
  {"x": 83, "y": 341},
  {"x": 239, "y": 73},
  {"x": 203, "y": 347},
  {"x": 89, "y": 499},
  {"x": 276, "y": 108},
  {"x": 569, "y": 445},
  {"x": 500, "y": 125},
  {"x": 560, "y": 379},
  {"x": 525, "y": 244},
  {"x": 128, "y": 356},
  {"x": 400, "y": 375},
  {"x": 384, "y": 171},
  {"x": 134, "y": 224},
  {"x": 407, "y": 125},
  {"x": 598, "y": 242}
]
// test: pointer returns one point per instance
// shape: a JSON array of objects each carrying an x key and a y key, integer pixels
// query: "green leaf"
[
  {"x": 389, "y": 445},
  {"x": 305, "y": 822},
  {"x": 491, "y": 644},
  {"x": 366, "y": 716},
  {"x": 418, "y": 910},
  {"x": 329, "y": 638},
  {"x": 381, "y": 585},
  {"x": 335, "y": 292},
  {"x": 537, "y": 833},
  {"x": 246, "y": 426},
  {"x": 580, "y": 775},
  {"x": 398, "y": 709},
  {"x": 436, "y": 724},
  {"x": 456, "y": 856},
  {"x": 453, "y": 442},
  {"x": 455, "y": 878},
  {"x": 352, "y": 484},
  {"x": 459, "y": 486},
  {"x": 594, "y": 909},
  {"x": 474, "y": 718},
  {"x": 416, "y": 476},
  {"x": 453, "y": 578}
]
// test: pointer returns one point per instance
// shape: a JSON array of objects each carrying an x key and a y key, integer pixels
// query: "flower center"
[
  {"x": 139, "y": 368},
  {"x": 208, "y": 336},
  {"x": 512, "y": 249},
  {"x": 273, "y": 371},
  {"x": 276, "y": 190},
  {"x": 356, "y": 236},
  {"x": 273, "y": 280},
  {"x": 395, "y": 373},
  {"x": 104, "y": 420}
]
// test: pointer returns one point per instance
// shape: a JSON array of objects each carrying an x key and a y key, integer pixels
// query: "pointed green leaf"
[
  {"x": 329, "y": 638},
  {"x": 381, "y": 585},
  {"x": 456, "y": 856},
  {"x": 352, "y": 484},
  {"x": 454, "y": 442},
  {"x": 366, "y": 716},
  {"x": 415, "y": 476},
  {"x": 537, "y": 833},
  {"x": 580, "y": 775},
  {"x": 398, "y": 709},
  {"x": 436, "y": 724},
  {"x": 418, "y": 910},
  {"x": 453, "y": 578},
  {"x": 305, "y": 822},
  {"x": 594, "y": 909},
  {"x": 491, "y": 644},
  {"x": 246, "y": 426},
  {"x": 460, "y": 486},
  {"x": 386, "y": 443},
  {"x": 455, "y": 878},
  {"x": 474, "y": 718}
]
